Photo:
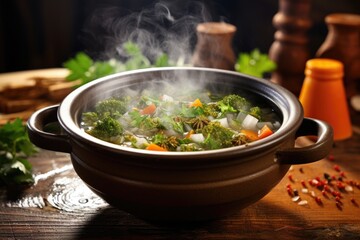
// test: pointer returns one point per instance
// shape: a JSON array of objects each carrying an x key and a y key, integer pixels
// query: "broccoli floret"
[
  {"x": 90, "y": 118},
  {"x": 190, "y": 147},
  {"x": 144, "y": 124},
  {"x": 217, "y": 136},
  {"x": 256, "y": 112},
  {"x": 168, "y": 142},
  {"x": 112, "y": 106},
  {"x": 212, "y": 109},
  {"x": 232, "y": 103},
  {"x": 106, "y": 129},
  {"x": 240, "y": 139}
]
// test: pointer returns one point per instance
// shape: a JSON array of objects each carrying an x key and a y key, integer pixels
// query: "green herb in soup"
[{"x": 185, "y": 123}]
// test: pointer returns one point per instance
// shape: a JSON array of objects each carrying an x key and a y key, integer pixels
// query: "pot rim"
[{"x": 291, "y": 120}]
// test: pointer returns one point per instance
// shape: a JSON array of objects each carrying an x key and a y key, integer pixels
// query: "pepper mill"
[
  {"x": 214, "y": 46},
  {"x": 289, "y": 50},
  {"x": 343, "y": 43}
]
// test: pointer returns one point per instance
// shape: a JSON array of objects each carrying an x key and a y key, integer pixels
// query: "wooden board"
[{"x": 21, "y": 93}]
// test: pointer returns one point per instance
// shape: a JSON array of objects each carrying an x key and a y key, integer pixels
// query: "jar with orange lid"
[{"x": 323, "y": 95}]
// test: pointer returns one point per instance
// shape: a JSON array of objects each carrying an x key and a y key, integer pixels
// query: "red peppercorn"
[
  {"x": 354, "y": 202},
  {"x": 337, "y": 168},
  {"x": 324, "y": 194},
  {"x": 303, "y": 183},
  {"x": 342, "y": 174},
  {"x": 336, "y": 194},
  {"x": 340, "y": 185},
  {"x": 338, "y": 199},
  {"x": 338, "y": 205},
  {"x": 318, "y": 200},
  {"x": 290, "y": 176},
  {"x": 351, "y": 182},
  {"x": 339, "y": 195},
  {"x": 289, "y": 190},
  {"x": 330, "y": 157}
]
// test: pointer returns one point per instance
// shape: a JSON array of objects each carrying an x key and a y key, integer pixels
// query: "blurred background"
[{"x": 45, "y": 33}]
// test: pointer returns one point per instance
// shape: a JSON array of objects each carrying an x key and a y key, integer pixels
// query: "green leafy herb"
[
  {"x": 255, "y": 63},
  {"x": 82, "y": 67},
  {"x": 15, "y": 147}
]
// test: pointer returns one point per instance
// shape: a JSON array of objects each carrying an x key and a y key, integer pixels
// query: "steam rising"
[{"x": 167, "y": 26}]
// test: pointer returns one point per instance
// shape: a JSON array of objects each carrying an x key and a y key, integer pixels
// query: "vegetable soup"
[{"x": 195, "y": 121}]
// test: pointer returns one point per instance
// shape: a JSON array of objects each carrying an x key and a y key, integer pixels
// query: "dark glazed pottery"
[{"x": 181, "y": 186}]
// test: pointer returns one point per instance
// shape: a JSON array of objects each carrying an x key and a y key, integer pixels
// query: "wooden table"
[{"x": 59, "y": 206}]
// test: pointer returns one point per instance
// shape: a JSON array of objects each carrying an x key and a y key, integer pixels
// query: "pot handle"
[
  {"x": 39, "y": 125},
  {"x": 314, "y": 152}
]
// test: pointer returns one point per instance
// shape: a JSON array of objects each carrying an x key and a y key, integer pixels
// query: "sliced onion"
[
  {"x": 211, "y": 118},
  {"x": 250, "y": 122},
  {"x": 167, "y": 98},
  {"x": 140, "y": 142},
  {"x": 241, "y": 116},
  {"x": 198, "y": 137},
  {"x": 277, "y": 125},
  {"x": 223, "y": 122}
]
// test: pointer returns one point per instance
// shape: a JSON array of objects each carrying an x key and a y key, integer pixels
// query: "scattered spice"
[
  {"x": 290, "y": 192},
  {"x": 349, "y": 188},
  {"x": 338, "y": 205},
  {"x": 336, "y": 187},
  {"x": 296, "y": 198},
  {"x": 303, "y": 202},
  {"x": 303, "y": 183},
  {"x": 296, "y": 192},
  {"x": 330, "y": 157},
  {"x": 354, "y": 202},
  {"x": 327, "y": 176},
  {"x": 324, "y": 194},
  {"x": 312, "y": 193},
  {"x": 318, "y": 200},
  {"x": 337, "y": 168},
  {"x": 290, "y": 176},
  {"x": 337, "y": 199},
  {"x": 305, "y": 190}
]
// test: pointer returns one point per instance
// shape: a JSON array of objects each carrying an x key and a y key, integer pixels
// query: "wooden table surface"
[{"x": 60, "y": 206}]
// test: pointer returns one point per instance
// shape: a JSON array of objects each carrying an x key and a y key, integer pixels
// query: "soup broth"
[{"x": 180, "y": 120}]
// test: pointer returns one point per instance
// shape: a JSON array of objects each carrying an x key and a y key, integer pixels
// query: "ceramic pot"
[
  {"x": 343, "y": 43},
  {"x": 214, "y": 46},
  {"x": 181, "y": 186}
]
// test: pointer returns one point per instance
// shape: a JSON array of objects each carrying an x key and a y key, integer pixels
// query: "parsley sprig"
[
  {"x": 82, "y": 67},
  {"x": 254, "y": 63},
  {"x": 15, "y": 147}
]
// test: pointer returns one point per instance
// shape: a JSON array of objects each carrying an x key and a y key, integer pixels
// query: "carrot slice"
[
  {"x": 155, "y": 147},
  {"x": 196, "y": 103},
  {"x": 253, "y": 136},
  {"x": 148, "y": 110},
  {"x": 265, "y": 131},
  {"x": 191, "y": 132}
]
